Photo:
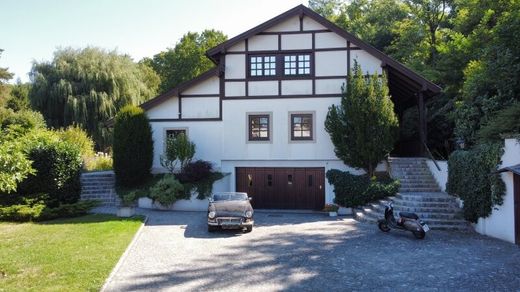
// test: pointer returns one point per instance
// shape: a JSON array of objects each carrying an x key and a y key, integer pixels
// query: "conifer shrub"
[{"x": 133, "y": 147}]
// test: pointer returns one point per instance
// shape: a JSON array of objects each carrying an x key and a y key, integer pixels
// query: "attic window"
[
  {"x": 263, "y": 66},
  {"x": 297, "y": 64}
]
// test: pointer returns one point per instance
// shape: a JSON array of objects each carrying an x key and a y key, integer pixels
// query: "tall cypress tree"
[{"x": 364, "y": 127}]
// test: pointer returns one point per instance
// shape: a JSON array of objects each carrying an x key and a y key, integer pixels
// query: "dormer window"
[
  {"x": 263, "y": 65},
  {"x": 297, "y": 64}
]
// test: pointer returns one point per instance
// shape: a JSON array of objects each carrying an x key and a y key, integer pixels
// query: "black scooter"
[{"x": 408, "y": 222}]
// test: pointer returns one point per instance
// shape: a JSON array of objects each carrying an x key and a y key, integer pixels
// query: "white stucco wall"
[
  {"x": 441, "y": 176},
  {"x": 367, "y": 62},
  {"x": 329, "y": 40},
  {"x": 235, "y": 88},
  {"x": 206, "y": 135},
  {"x": 311, "y": 24},
  {"x": 329, "y": 86},
  {"x": 500, "y": 223},
  {"x": 291, "y": 24},
  {"x": 208, "y": 86},
  {"x": 332, "y": 63},
  {"x": 297, "y": 41},
  {"x": 263, "y": 88},
  {"x": 168, "y": 109},
  {"x": 235, "y": 66},
  {"x": 263, "y": 42},
  {"x": 294, "y": 87},
  {"x": 200, "y": 107}
]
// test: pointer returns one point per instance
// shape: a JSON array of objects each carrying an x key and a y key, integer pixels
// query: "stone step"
[
  {"x": 424, "y": 197},
  {"x": 415, "y": 176},
  {"x": 100, "y": 192},
  {"x": 104, "y": 179},
  {"x": 416, "y": 190},
  {"x": 418, "y": 185},
  {"x": 455, "y": 224},
  {"x": 422, "y": 215},
  {"x": 444, "y": 209},
  {"x": 97, "y": 187}
]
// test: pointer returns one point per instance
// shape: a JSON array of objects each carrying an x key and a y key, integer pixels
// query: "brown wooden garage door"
[{"x": 283, "y": 188}]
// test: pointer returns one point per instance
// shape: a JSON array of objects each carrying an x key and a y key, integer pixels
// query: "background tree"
[
  {"x": 133, "y": 146},
  {"x": 364, "y": 127},
  {"x": 5, "y": 76},
  {"x": 87, "y": 87},
  {"x": 186, "y": 60}
]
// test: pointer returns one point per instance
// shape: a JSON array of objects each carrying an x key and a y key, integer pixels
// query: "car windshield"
[{"x": 230, "y": 197}]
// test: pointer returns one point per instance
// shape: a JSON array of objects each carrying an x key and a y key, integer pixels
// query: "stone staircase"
[
  {"x": 419, "y": 193},
  {"x": 99, "y": 186}
]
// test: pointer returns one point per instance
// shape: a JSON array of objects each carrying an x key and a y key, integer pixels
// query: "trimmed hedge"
[
  {"x": 39, "y": 212},
  {"x": 358, "y": 190},
  {"x": 133, "y": 147},
  {"x": 472, "y": 176}
]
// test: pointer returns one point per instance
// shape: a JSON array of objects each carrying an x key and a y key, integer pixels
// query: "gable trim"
[
  {"x": 178, "y": 89},
  {"x": 301, "y": 10}
]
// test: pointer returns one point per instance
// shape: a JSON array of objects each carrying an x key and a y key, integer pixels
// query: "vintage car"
[{"x": 230, "y": 210}]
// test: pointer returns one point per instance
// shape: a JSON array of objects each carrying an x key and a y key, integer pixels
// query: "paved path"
[{"x": 310, "y": 252}]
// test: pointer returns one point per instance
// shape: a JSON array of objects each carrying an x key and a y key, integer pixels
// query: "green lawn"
[{"x": 62, "y": 255}]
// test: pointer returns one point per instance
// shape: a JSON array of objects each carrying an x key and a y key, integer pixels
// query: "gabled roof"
[
  {"x": 176, "y": 90},
  {"x": 301, "y": 10},
  {"x": 514, "y": 169}
]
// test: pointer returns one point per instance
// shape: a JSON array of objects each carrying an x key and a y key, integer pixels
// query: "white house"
[{"x": 259, "y": 114}]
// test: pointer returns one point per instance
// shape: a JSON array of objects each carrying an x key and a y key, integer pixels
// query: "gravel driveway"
[{"x": 175, "y": 252}]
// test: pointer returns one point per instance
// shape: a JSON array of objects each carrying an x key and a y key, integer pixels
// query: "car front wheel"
[
  {"x": 249, "y": 229},
  {"x": 212, "y": 228}
]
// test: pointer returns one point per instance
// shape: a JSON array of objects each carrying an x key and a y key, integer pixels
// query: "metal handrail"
[{"x": 431, "y": 157}]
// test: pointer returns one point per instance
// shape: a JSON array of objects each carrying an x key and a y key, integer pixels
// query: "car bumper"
[{"x": 222, "y": 222}]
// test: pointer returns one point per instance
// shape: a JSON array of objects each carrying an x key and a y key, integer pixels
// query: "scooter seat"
[{"x": 408, "y": 215}]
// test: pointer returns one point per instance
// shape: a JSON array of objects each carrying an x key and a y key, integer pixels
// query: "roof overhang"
[
  {"x": 178, "y": 89},
  {"x": 514, "y": 169},
  {"x": 418, "y": 82}
]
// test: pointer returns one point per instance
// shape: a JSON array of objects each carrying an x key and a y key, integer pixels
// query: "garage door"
[{"x": 283, "y": 188}]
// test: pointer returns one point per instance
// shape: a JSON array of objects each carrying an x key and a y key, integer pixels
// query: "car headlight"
[
  {"x": 211, "y": 214},
  {"x": 249, "y": 214}
]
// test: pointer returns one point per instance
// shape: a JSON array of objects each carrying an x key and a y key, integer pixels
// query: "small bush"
[
  {"x": 98, "y": 163},
  {"x": 133, "y": 147},
  {"x": 195, "y": 171},
  {"x": 472, "y": 176},
  {"x": 77, "y": 136},
  {"x": 40, "y": 212},
  {"x": 179, "y": 149},
  {"x": 357, "y": 190},
  {"x": 198, "y": 177},
  {"x": 167, "y": 191},
  {"x": 21, "y": 213}
]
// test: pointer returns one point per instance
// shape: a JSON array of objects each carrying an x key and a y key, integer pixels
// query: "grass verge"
[{"x": 75, "y": 254}]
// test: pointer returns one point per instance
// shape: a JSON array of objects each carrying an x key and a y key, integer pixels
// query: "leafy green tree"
[
  {"x": 133, "y": 146},
  {"x": 87, "y": 87},
  {"x": 364, "y": 127},
  {"x": 19, "y": 97},
  {"x": 178, "y": 150},
  {"x": 5, "y": 76},
  {"x": 187, "y": 59},
  {"x": 14, "y": 165}
]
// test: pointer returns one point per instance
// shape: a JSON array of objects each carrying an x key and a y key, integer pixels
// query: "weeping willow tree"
[{"x": 87, "y": 87}]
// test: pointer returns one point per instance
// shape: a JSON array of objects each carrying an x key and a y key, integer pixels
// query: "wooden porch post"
[{"x": 422, "y": 122}]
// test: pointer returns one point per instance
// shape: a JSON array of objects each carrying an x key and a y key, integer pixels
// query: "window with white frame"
[
  {"x": 297, "y": 64},
  {"x": 262, "y": 66}
]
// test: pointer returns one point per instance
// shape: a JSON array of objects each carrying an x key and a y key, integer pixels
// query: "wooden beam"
[{"x": 422, "y": 121}]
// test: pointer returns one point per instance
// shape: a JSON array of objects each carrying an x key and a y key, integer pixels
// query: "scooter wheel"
[
  {"x": 383, "y": 226},
  {"x": 419, "y": 234}
]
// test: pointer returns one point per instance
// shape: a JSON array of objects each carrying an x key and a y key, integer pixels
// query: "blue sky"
[{"x": 32, "y": 30}]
